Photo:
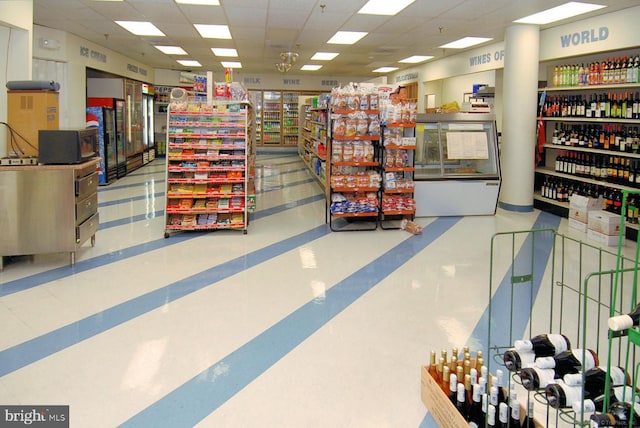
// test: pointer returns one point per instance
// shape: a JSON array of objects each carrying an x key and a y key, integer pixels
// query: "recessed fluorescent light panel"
[
  {"x": 189, "y": 63},
  {"x": 200, "y": 2},
  {"x": 213, "y": 31},
  {"x": 224, "y": 52},
  {"x": 465, "y": 42},
  {"x": 346, "y": 37},
  {"x": 310, "y": 67},
  {"x": 171, "y": 50},
  {"x": 385, "y": 69},
  {"x": 140, "y": 28},
  {"x": 231, "y": 64},
  {"x": 324, "y": 56},
  {"x": 415, "y": 59},
  {"x": 384, "y": 7},
  {"x": 559, "y": 13}
]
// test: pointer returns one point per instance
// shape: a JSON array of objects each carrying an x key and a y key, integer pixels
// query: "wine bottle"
[
  {"x": 563, "y": 393},
  {"x": 515, "y": 360},
  {"x": 568, "y": 362},
  {"x": 453, "y": 388},
  {"x": 618, "y": 393},
  {"x": 626, "y": 321},
  {"x": 514, "y": 420},
  {"x": 461, "y": 402},
  {"x": 476, "y": 415},
  {"x": 503, "y": 415},
  {"x": 499, "y": 383},
  {"x": 619, "y": 414},
  {"x": 491, "y": 416},
  {"x": 446, "y": 377},
  {"x": 433, "y": 366},
  {"x": 529, "y": 420},
  {"x": 544, "y": 345}
]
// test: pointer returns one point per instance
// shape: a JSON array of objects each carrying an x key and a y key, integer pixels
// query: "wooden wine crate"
[
  {"x": 439, "y": 405},
  {"x": 442, "y": 409}
]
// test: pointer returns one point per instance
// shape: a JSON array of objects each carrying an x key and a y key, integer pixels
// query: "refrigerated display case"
[
  {"x": 113, "y": 154},
  {"x": 290, "y": 115},
  {"x": 271, "y": 117},
  {"x": 457, "y": 167},
  {"x": 134, "y": 125},
  {"x": 103, "y": 118},
  {"x": 256, "y": 98},
  {"x": 148, "y": 140}
]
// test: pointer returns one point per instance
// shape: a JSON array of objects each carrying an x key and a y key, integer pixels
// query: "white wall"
[{"x": 16, "y": 18}]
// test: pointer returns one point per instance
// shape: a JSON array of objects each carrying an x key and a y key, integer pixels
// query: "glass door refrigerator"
[
  {"x": 121, "y": 156},
  {"x": 103, "y": 114},
  {"x": 134, "y": 125},
  {"x": 271, "y": 118},
  {"x": 148, "y": 140}
]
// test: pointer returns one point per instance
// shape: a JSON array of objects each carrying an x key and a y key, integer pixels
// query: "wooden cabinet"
[{"x": 47, "y": 208}]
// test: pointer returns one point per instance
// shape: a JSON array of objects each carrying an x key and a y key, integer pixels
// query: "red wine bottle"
[
  {"x": 619, "y": 415},
  {"x": 564, "y": 393},
  {"x": 547, "y": 369},
  {"x": 542, "y": 345},
  {"x": 568, "y": 362},
  {"x": 453, "y": 388},
  {"x": 623, "y": 322},
  {"x": 476, "y": 416},
  {"x": 461, "y": 402}
]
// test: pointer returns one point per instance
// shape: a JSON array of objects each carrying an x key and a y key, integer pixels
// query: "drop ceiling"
[{"x": 261, "y": 29}]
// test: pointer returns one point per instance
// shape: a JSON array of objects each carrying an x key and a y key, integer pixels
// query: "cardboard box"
[
  {"x": 608, "y": 240},
  {"x": 604, "y": 222},
  {"x": 580, "y": 206},
  {"x": 27, "y": 113},
  {"x": 577, "y": 224}
]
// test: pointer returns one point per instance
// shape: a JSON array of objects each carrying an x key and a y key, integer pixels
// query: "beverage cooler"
[
  {"x": 107, "y": 114},
  {"x": 148, "y": 138},
  {"x": 134, "y": 125},
  {"x": 457, "y": 169}
]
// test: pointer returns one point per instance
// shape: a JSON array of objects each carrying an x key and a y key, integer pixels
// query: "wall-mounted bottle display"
[
  {"x": 591, "y": 141},
  {"x": 611, "y": 70}
]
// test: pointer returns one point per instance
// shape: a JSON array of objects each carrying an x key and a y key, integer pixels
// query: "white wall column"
[{"x": 520, "y": 98}]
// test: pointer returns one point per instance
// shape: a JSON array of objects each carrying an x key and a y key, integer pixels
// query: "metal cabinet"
[{"x": 47, "y": 208}]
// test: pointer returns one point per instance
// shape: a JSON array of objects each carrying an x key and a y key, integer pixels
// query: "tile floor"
[{"x": 290, "y": 325}]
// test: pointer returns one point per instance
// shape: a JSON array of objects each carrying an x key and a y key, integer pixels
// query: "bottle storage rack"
[
  {"x": 208, "y": 166},
  {"x": 573, "y": 293},
  {"x": 594, "y": 130}
]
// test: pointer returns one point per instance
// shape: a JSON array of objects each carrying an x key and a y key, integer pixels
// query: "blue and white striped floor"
[{"x": 290, "y": 325}]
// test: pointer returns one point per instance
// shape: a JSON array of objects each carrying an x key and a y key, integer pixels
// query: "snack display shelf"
[
  {"x": 209, "y": 135},
  {"x": 354, "y": 189},
  {"x": 363, "y": 163},
  {"x": 206, "y": 180},
  {"x": 207, "y": 169},
  {"x": 399, "y": 191},
  {"x": 356, "y": 214},
  {"x": 237, "y": 225},
  {"x": 207, "y": 124},
  {"x": 211, "y": 146},
  {"x": 356, "y": 138},
  {"x": 397, "y": 203},
  {"x": 204, "y": 210},
  {"x": 350, "y": 111},
  {"x": 208, "y": 158}
]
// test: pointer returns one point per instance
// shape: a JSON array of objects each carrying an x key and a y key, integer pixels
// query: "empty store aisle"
[{"x": 289, "y": 325}]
